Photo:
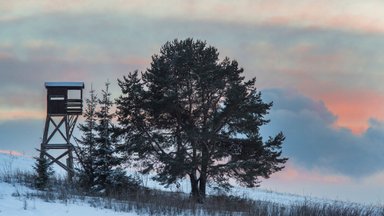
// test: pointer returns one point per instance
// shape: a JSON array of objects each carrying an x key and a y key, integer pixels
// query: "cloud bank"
[
  {"x": 361, "y": 16},
  {"x": 314, "y": 142}
]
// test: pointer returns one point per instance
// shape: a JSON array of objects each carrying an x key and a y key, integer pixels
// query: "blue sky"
[{"x": 320, "y": 62}]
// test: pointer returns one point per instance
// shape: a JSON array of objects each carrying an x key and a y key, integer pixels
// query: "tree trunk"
[
  {"x": 204, "y": 171},
  {"x": 194, "y": 186},
  {"x": 202, "y": 188}
]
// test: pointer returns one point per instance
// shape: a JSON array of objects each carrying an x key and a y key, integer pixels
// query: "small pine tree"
[
  {"x": 107, "y": 173},
  {"x": 85, "y": 150},
  {"x": 43, "y": 173}
]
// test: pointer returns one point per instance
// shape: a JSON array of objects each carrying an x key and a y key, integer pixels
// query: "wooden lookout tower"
[{"x": 64, "y": 105}]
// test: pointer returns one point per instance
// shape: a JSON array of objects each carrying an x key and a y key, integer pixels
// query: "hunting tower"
[{"x": 64, "y": 105}]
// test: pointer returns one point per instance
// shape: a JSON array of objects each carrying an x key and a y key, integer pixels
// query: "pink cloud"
[
  {"x": 11, "y": 152},
  {"x": 5, "y": 56},
  {"x": 355, "y": 22},
  {"x": 14, "y": 114},
  {"x": 352, "y": 106},
  {"x": 356, "y": 16},
  {"x": 355, "y": 107},
  {"x": 292, "y": 174},
  {"x": 317, "y": 183}
]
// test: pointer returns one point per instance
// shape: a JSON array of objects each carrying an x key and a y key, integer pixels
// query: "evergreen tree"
[
  {"x": 85, "y": 150},
  {"x": 43, "y": 173},
  {"x": 107, "y": 173},
  {"x": 191, "y": 115}
]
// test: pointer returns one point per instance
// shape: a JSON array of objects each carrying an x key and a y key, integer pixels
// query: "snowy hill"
[
  {"x": 15, "y": 198},
  {"x": 12, "y": 202},
  {"x": 13, "y": 162}
]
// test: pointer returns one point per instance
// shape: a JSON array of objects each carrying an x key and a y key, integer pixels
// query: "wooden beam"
[
  {"x": 57, "y": 146},
  {"x": 58, "y": 158},
  {"x": 57, "y": 128},
  {"x": 58, "y": 162}
]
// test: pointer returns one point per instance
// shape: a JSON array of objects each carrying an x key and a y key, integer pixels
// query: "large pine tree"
[{"x": 190, "y": 114}]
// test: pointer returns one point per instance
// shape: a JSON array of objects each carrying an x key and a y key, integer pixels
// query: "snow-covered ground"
[{"x": 14, "y": 201}]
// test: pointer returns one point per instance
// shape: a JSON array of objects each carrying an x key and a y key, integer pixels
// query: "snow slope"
[
  {"x": 13, "y": 199},
  {"x": 13, "y": 202},
  {"x": 12, "y": 163}
]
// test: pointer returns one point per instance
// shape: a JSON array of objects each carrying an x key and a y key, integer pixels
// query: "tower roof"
[{"x": 68, "y": 85}]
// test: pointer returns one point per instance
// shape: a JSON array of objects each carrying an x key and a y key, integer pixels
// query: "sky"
[{"x": 320, "y": 62}]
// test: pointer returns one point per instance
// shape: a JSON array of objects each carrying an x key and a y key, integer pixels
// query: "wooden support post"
[{"x": 68, "y": 122}]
